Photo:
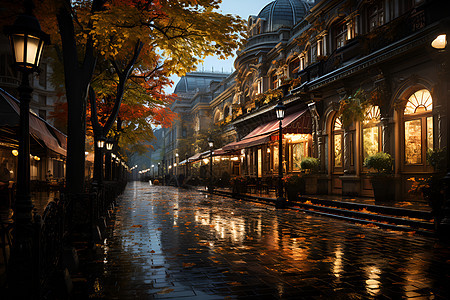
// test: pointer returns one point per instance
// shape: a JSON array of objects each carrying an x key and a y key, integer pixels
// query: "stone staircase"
[
  {"x": 383, "y": 216},
  {"x": 394, "y": 218}
]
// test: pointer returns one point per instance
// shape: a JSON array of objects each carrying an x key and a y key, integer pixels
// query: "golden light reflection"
[
  {"x": 105, "y": 251},
  {"x": 337, "y": 264},
  {"x": 373, "y": 283}
]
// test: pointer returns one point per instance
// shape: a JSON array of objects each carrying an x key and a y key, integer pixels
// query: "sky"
[{"x": 242, "y": 8}]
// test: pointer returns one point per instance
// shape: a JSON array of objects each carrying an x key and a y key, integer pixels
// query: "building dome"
[
  {"x": 283, "y": 13},
  {"x": 197, "y": 81}
]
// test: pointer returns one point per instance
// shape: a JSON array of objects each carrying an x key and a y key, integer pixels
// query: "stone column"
[
  {"x": 347, "y": 149},
  {"x": 320, "y": 150},
  {"x": 385, "y": 128},
  {"x": 314, "y": 138}
]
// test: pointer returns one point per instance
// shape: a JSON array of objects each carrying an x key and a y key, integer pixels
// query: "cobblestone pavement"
[{"x": 174, "y": 243}]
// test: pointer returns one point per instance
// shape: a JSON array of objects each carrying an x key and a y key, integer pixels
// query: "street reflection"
[
  {"x": 337, "y": 264},
  {"x": 170, "y": 240}
]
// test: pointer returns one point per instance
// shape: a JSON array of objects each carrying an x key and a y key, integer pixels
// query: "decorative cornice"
[{"x": 370, "y": 60}]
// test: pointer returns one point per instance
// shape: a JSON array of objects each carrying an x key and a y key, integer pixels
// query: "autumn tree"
[{"x": 127, "y": 38}]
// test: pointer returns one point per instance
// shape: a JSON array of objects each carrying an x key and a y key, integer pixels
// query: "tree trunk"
[{"x": 77, "y": 78}]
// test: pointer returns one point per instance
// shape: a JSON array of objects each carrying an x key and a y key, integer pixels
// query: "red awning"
[
  {"x": 38, "y": 127},
  {"x": 245, "y": 143},
  {"x": 271, "y": 127},
  {"x": 299, "y": 122}
]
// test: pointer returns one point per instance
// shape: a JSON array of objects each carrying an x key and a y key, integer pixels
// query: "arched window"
[
  {"x": 371, "y": 132},
  {"x": 338, "y": 140},
  {"x": 294, "y": 67},
  {"x": 217, "y": 117},
  {"x": 418, "y": 126}
]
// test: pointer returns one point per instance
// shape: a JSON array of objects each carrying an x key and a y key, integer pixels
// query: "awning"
[
  {"x": 246, "y": 143},
  {"x": 299, "y": 122},
  {"x": 304, "y": 126},
  {"x": 38, "y": 127},
  {"x": 206, "y": 154}
]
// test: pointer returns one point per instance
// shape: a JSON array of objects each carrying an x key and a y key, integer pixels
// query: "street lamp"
[
  {"x": 101, "y": 142},
  {"x": 440, "y": 43},
  {"x": 98, "y": 158},
  {"x": 109, "y": 144},
  {"x": 211, "y": 145},
  {"x": 186, "y": 165},
  {"x": 109, "y": 147},
  {"x": 280, "y": 109},
  {"x": 27, "y": 43},
  {"x": 176, "y": 163}
]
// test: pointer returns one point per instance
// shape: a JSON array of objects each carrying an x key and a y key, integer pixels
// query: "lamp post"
[
  {"x": 27, "y": 42},
  {"x": 176, "y": 164},
  {"x": 210, "y": 144},
  {"x": 109, "y": 147},
  {"x": 98, "y": 159},
  {"x": 153, "y": 172},
  {"x": 186, "y": 165},
  {"x": 280, "y": 110},
  {"x": 440, "y": 44},
  {"x": 159, "y": 167}
]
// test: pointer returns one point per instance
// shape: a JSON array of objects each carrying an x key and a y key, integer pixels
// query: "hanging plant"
[
  {"x": 352, "y": 108},
  {"x": 295, "y": 83},
  {"x": 272, "y": 95}
]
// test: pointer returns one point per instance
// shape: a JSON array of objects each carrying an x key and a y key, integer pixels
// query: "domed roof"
[
  {"x": 197, "y": 81},
  {"x": 281, "y": 13}
]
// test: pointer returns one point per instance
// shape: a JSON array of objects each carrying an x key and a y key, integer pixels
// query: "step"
[
  {"x": 387, "y": 210},
  {"x": 362, "y": 221},
  {"x": 382, "y": 216},
  {"x": 416, "y": 224}
]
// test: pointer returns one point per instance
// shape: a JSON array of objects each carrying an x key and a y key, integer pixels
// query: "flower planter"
[
  {"x": 293, "y": 192},
  {"x": 383, "y": 188},
  {"x": 351, "y": 185}
]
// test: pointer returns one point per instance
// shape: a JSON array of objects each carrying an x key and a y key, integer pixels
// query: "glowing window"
[
  {"x": 419, "y": 102},
  {"x": 371, "y": 131}
]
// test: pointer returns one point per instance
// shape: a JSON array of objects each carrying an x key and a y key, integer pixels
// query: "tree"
[{"x": 127, "y": 38}]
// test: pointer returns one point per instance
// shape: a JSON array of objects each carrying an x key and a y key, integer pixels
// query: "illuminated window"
[
  {"x": 375, "y": 15},
  {"x": 419, "y": 102},
  {"x": 260, "y": 87},
  {"x": 275, "y": 158},
  {"x": 302, "y": 62},
  {"x": 418, "y": 126},
  {"x": 350, "y": 29},
  {"x": 338, "y": 133},
  {"x": 298, "y": 153},
  {"x": 294, "y": 67},
  {"x": 371, "y": 132},
  {"x": 320, "y": 47},
  {"x": 341, "y": 34},
  {"x": 275, "y": 82}
]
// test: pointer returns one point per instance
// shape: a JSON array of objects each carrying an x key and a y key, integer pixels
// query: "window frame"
[
  {"x": 423, "y": 116},
  {"x": 372, "y": 123},
  {"x": 337, "y": 132}
]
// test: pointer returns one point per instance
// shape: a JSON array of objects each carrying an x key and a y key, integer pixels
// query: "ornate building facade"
[{"x": 325, "y": 53}]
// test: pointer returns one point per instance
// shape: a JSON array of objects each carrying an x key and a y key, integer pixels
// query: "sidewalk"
[
  {"x": 413, "y": 205},
  {"x": 173, "y": 243}
]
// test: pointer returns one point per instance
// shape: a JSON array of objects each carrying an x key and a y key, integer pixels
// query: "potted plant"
[
  {"x": 237, "y": 185},
  {"x": 353, "y": 108},
  {"x": 294, "y": 184},
  {"x": 432, "y": 188},
  {"x": 314, "y": 182},
  {"x": 310, "y": 164},
  {"x": 381, "y": 166}
]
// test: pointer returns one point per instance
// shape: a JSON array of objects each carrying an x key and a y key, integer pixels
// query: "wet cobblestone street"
[{"x": 174, "y": 243}]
